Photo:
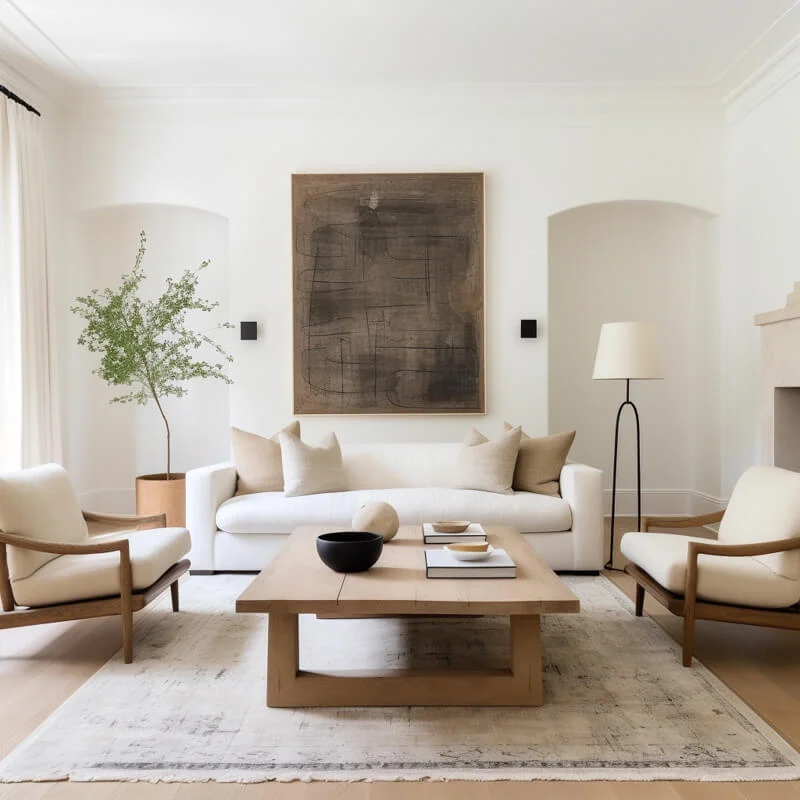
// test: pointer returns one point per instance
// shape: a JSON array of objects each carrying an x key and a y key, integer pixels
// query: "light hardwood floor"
[{"x": 41, "y": 667}]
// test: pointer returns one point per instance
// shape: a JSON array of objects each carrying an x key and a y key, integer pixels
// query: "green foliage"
[{"x": 145, "y": 344}]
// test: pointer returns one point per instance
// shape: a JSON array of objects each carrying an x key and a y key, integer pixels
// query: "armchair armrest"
[
  {"x": 61, "y": 549},
  {"x": 136, "y": 522},
  {"x": 697, "y": 549},
  {"x": 754, "y": 549},
  {"x": 682, "y": 522}
]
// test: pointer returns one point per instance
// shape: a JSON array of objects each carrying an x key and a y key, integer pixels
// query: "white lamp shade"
[{"x": 627, "y": 351}]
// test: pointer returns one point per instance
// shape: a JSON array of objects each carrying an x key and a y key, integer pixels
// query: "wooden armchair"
[
  {"x": 750, "y": 575},
  {"x": 51, "y": 569}
]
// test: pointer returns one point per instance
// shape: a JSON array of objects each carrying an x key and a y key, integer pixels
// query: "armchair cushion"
[
  {"x": 764, "y": 506},
  {"x": 736, "y": 580},
  {"x": 39, "y": 503},
  {"x": 66, "y": 579}
]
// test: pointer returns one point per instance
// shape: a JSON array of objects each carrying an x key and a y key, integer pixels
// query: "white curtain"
[{"x": 29, "y": 420}]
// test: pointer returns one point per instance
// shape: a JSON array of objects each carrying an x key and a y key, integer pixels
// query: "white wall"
[
  {"x": 542, "y": 152},
  {"x": 638, "y": 261},
  {"x": 761, "y": 249}
]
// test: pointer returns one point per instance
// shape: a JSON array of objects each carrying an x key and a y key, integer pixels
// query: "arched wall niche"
[
  {"x": 639, "y": 260},
  {"x": 109, "y": 443}
]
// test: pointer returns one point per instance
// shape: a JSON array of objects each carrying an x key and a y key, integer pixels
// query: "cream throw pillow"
[
  {"x": 540, "y": 462},
  {"x": 258, "y": 460},
  {"x": 487, "y": 465},
  {"x": 311, "y": 470}
]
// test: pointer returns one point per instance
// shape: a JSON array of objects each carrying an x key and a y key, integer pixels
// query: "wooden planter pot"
[{"x": 156, "y": 495}]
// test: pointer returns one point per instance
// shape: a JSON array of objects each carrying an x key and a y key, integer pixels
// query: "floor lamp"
[{"x": 627, "y": 351}]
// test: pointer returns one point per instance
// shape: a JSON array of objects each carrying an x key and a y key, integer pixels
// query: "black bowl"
[{"x": 349, "y": 551}]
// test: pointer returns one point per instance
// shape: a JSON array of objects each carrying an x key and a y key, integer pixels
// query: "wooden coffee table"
[{"x": 297, "y": 582}]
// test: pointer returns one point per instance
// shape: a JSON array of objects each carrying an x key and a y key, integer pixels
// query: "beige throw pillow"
[
  {"x": 311, "y": 470},
  {"x": 258, "y": 460},
  {"x": 487, "y": 465},
  {"x": 540, "y": 462}
]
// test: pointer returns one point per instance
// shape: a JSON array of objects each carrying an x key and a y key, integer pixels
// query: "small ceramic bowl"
[
  {"x": 470, "y": 555},
  {"x": 451, "y": 526}
]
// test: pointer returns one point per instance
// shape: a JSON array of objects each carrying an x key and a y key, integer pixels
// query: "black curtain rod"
[{"x": 17, "y": 99}]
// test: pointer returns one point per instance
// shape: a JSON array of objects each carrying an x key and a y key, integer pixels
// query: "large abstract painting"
[{"x": 388, "y": 293}]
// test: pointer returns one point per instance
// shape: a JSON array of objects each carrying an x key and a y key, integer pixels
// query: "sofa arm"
[
  {"x": 582, "y": 488},
  {"x": 206, "y": 489}
]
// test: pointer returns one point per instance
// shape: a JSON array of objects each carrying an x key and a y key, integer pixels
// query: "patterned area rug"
[{"x": 619, "y": 706}]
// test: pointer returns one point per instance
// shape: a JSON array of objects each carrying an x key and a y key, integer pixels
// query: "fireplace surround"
[{"x": 780, "y": 370}]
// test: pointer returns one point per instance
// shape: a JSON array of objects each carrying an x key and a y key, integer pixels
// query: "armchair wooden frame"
[
  {"x": 688, "y": 606},
  {"x": 123, "y": 604}
]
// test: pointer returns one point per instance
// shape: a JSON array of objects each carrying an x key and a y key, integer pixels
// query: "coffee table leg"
[
  {"x": 283, "y": 657},
  {"x": 519, "y": 685},
  {"x": 526, "y": 656}
]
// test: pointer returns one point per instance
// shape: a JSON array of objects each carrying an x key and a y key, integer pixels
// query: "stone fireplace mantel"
[{"x": 780, "y": 394}]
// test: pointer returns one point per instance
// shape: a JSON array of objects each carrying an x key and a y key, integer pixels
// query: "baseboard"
[{"x": 664, "y": 502}]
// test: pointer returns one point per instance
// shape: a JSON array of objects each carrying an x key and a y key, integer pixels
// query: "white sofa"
[{"x": 231, "y": 533}]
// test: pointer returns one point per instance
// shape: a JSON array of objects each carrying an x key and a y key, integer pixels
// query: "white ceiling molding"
[
  {"x": 768, "y": 50},
  {"x": 765, "y": 82},
  {"x": 41, "y": 81},
  {"x": 88, "y": 50},
  {"x": 36, "y": 43},
  {"x": 570, "y": 105}
]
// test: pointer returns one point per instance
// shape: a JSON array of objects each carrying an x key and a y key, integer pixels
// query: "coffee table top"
[{"x": 297, "y": 582}]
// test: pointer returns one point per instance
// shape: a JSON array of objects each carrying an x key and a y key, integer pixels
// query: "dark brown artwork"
[{"x": 388, "y": 293}]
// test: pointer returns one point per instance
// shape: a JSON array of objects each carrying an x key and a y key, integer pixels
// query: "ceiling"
[{"x": 279, "y": 43}]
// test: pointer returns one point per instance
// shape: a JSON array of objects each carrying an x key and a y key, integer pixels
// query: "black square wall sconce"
[
  {"x": 248, "y": 331},
  {"x": 527, "y": 329}
]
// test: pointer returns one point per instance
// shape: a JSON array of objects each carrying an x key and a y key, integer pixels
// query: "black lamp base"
[{"x": 627, "y": 402}]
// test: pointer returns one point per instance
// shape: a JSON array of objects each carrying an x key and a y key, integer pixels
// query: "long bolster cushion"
[
  {"x": 67, "y": 579},
  {"x": 272, "y": 512},
  {"x": 721, "y": 579}
]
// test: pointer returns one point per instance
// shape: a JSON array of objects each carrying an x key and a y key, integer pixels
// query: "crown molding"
[
  {"x": 38, "y": 47},
  {"x": 768, "y": 64},
  {"x": 36, "y": 68},
  {"x": 769, "y": 79},
  {"x": 39, "y": 70},
  {"x": 584, "y": 104}
]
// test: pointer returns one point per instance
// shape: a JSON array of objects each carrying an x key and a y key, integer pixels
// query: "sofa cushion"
[
  {"x": 485, "y": 465},
  {"x": 311, "y": 470},
  {"x": 765, "y": 505},
  {"x": 258, "y": 460},
  {"x": 540, "y": 462},
  {"x": 273, "y": 512},
  {"x": 83, "y": 577},
  {"x": 721, "y": 579},
  {"x": 39, "y": 503}
]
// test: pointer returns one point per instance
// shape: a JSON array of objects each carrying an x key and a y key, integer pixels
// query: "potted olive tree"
[{"x": 147, "y": 346}]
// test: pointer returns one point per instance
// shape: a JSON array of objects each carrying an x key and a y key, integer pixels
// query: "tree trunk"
[{"x": 166, "y": 425}]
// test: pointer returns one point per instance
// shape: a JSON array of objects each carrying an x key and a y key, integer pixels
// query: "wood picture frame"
[{"x": 388, "y": 293}]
